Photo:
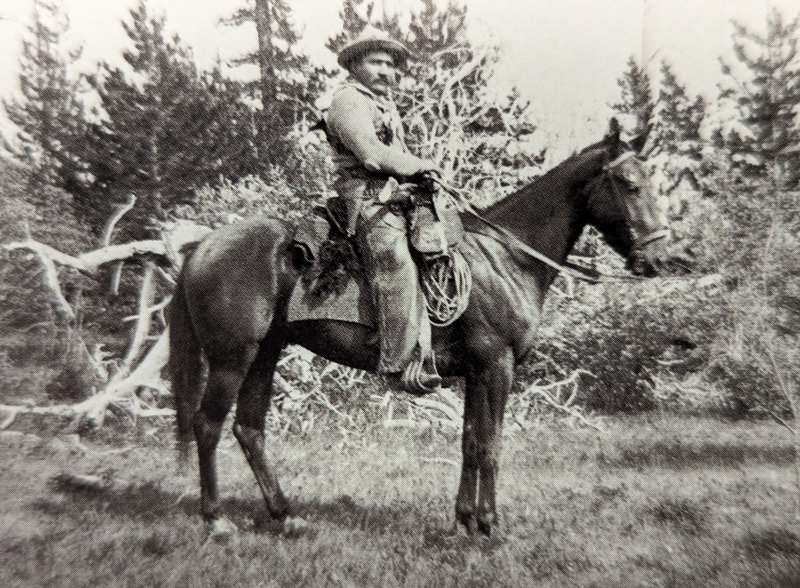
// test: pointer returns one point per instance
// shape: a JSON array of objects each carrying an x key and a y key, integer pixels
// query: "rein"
[{"x": 569, "y": 269}]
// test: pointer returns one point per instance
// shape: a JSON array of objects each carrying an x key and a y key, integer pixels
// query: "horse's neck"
[{"x": 546, "y": 214}]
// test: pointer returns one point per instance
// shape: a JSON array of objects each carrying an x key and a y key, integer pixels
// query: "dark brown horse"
[{"x": 231, "y": 305}]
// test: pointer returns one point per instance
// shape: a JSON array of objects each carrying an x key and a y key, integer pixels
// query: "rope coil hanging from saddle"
[{"x": 446, "y": 283}]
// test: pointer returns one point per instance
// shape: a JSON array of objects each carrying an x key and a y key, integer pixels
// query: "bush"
[
  {"x": 630, "y": 336},
  {"x": 287, "y": 192}
]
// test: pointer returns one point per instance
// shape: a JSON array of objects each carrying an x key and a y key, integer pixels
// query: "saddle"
[{"x": 333, "y": 281}]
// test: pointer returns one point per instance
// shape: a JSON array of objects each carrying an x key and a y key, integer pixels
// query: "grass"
[{"x": 667, "y": 501}]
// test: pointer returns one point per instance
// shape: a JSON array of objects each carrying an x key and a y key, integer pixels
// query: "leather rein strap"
[{"x": 572, "y": 270}]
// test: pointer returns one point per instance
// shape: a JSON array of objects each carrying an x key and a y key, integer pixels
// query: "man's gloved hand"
[
  {"x": 427, "y": 180},
  {"x": 394, "y": 191}
]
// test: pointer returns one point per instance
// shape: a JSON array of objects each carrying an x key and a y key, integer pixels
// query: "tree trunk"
[{"x": 263, "y": 19}]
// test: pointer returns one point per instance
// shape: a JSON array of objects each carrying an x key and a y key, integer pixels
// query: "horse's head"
[{"x": 624, "y": 206}]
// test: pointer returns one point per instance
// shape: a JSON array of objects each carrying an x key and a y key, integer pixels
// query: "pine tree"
[
  {"x": 677, "y": 146},
  {"x": 355, "y": 16},
  {"x": 231, "y": 134},
  {"x": 636, "y": 97},
  {"x": 49, "y": 116},
  {"x": 765, "y": 98},
  {"x": 678, "y": 117},
  {"x": 432, "y": 30},
  {"x": 163, "y": 130},
  {"x": 288, "y": 85}
]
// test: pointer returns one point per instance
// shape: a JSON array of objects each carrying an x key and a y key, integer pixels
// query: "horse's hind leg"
[
  {"x": 251, "y": 412},
  {"x": 225, "y": 377}
]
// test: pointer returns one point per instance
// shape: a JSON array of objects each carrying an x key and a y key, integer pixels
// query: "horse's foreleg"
[
  {"x": 224, "y": 380},
  {"x": 251, "y": 411},
  {"x": 487, "y": 391},
  {"x": 497, "y": 379},
  {"x": 474, "y": 402}
]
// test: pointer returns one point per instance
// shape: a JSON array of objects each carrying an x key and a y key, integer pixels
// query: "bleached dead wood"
[
  {"x": 561, "y": 396},
  {"x": 119, "y": 390},
  {"x": 89, "y": 263},
  {"x": 143, "y": 323}
]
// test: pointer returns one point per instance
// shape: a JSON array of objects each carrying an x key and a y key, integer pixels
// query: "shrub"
[
  {"x": 628, "y": 336},
  {"x": 286, "y": 193}
]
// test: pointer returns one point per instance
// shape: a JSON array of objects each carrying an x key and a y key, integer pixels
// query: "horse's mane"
[{"x": 540, "y": 187}]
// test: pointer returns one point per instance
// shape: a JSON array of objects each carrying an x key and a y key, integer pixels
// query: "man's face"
[{"x": 377, "y": 71}]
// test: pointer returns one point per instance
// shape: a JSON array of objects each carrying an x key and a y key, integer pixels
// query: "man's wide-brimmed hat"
[{"x": 372, "y": 39}]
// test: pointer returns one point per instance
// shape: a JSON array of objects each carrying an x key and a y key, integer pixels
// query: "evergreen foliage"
[
  {"x": 672, "y": 122},
  {"x": 162, "y": 130},
  {"x": 49, "y": 115},
  {"x": 764, "y": 92},
  {"x": 677, "y": 145},
  {"x": 357, "y": 14},
  {"x": 288, "y": 84},
  {"x": 636, "y": 100},
  {"x": 678, "y": 117}
]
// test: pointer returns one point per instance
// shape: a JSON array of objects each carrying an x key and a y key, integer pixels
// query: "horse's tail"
[{"x": 184, "y": 367}]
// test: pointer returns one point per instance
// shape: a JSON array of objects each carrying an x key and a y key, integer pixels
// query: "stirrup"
[{"x": 417, "y": 379}]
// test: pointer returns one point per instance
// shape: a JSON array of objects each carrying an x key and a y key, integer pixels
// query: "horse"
[{"x": 231, "y": 298}]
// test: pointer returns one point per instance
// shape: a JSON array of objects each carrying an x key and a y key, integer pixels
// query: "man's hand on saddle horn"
[{"x": 394, "y": 191}]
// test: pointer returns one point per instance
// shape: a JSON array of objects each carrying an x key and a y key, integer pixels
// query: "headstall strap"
[
  {"x": 652, "y": 236},
  {"x": 621, "y": 158}
]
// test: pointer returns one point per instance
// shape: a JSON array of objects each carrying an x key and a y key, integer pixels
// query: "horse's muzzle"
[{"x": 664, "y": 257}]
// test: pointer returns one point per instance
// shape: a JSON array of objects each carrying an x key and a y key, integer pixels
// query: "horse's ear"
[
  {"x": 612, "y": 136},
  {"x": 639, "y": 142}
]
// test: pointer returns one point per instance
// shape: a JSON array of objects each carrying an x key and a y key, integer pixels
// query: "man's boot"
[{"x": 420, "y": 376}]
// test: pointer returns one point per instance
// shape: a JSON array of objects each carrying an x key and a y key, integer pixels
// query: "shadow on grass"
[
  {"x": 767, "y": 543},
  {"x": 345, "y": 512},
  {"x": 136, "y": 501},
  {"x": 678, "y": 455},
  {"x": 150, "y": 502},
  {"x": 682, "y": 514}
]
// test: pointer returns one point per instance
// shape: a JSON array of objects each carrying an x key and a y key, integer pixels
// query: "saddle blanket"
[{"x": 351, "y": 302}]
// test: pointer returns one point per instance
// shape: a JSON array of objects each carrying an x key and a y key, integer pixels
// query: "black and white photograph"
[{"x": 400, "y": 293}]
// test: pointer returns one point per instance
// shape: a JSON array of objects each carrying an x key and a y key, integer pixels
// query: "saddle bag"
[{"x": 435, "y": 226}]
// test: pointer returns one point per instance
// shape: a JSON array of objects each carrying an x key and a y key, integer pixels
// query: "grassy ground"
[{"x": 661, "y": 501}]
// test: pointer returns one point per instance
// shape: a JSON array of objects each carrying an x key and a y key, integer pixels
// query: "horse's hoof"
[
  {"x": 485, "y": 528},
  {"x": 295, "y": 527},
  {"x": 220, "y": 530},
  {"x": 485, "y": 523},
  {"x": 466, "y": 522}
]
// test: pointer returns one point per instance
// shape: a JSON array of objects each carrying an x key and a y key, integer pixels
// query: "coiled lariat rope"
[{"x": 446, "y": 283}]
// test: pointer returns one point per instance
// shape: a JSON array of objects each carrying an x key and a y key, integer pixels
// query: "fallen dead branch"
[{"x": 140, "y": 367}]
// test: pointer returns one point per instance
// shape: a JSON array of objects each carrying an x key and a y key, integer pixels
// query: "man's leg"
[
  {"x": 392, "y": 275},
  {"x": 402, "y": 317}
]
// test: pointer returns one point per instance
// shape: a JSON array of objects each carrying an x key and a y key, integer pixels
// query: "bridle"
[
  {"x": 608, "y": 175},
  {"x": 569, "y": 269}
]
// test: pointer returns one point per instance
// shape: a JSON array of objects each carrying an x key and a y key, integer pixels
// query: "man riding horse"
[{"x": 365, "y": 131}]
